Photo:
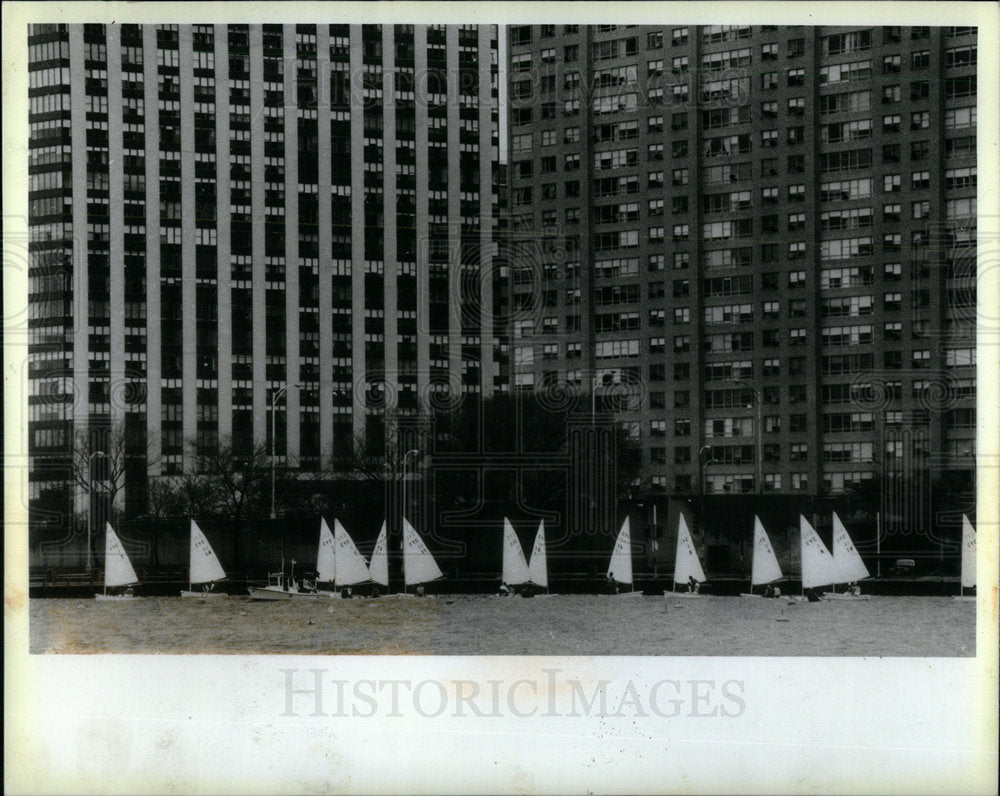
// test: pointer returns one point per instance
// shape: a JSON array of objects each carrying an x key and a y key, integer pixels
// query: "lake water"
[{"x": 488, "y": 625}]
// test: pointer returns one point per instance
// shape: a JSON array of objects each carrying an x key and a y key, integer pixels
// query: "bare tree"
[
  {"x": 164, "y": 499},
  {"x": 381, "y": 458},
  {"x": 102, "y": 456},
  {"x": 190, "y": 495},
  {"x": 237, "y": 482}
]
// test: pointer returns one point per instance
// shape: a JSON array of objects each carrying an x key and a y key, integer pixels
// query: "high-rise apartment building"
[
  {"x": 760, "y": 239},
  {"x": 220, "y": 212}
]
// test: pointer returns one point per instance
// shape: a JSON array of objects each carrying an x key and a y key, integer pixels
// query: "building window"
[
  {"x": 520, "y": 34},
  {"x": 920, "y": 89}
]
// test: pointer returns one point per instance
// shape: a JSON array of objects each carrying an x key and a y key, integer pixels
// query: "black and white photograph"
[{"x": 347, "y": 333}]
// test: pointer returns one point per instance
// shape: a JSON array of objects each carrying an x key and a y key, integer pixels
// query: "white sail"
[
  {"x": 515, "y": 568},
  {"x": 351, "y": 567},
  {"x": 846, "y": 555},
  {"x": 117, "y": 568},
  {"x": 968, "y": 554},
  {"x": 686, "y": 564},
  {"x": 539, "y": 568},
  {"x": 205, "y": 566},
  {"x": 418, "y": 563},
  {"x": 379, "y": 564},
  {"x": 818, "y": 566},
  {"x": 326, "y": 557},
  {"x": 764, "y": 568},
  {"x": 620, "y": 568}
]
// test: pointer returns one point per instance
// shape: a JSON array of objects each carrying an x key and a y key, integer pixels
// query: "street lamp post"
[
  {"x": 759, "y": 434},
  {"x": 760, "y": 441},
  {"x": 90, "y": 502},
  {"x": 275, "y": 395},
  {"x": 702, "y": 464},
  {"x": 598, "y": 377}
]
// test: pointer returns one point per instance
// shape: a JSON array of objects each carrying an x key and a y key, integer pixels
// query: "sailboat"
[
  {"x": 538, "y": 568},
  {"x": 818, "y": 566},
  {"x": 204, "y": 566},
  {"x": 338, "y": 560},
  {"x": 419, "y": 565},
  {"x": 351, "y": 568},
  {"x": 620, "y": 566},
  {"x": 687, "y": 566},
  {"x": 118, "y": 569},
  {"x": 515, "y": 568},
  {"x": 378, "y": 566},
  {"x": 764, "y": 568},
  {"x": 326, "y": 558},
  {"x": 968, "y": 577},
  {"x": 848, "y": 561}
]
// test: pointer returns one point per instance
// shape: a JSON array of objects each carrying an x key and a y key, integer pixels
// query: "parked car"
[{"x": 903, "y": 567}]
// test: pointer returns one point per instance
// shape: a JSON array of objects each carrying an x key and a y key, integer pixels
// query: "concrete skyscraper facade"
[
  {"x": 229, "y": 219},
  {"x": 760, "y": 239}
]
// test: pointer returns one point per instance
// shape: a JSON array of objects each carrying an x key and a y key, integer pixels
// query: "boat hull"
[
  {"x": 847, "y": 598},
  {"x": 629, "y": 594},
  {"x": 682, "y": 595},
  {"x": 266, "y": 594},
  {"x": 964, "y": 599},
  {"x": 186, "y": 593},
  {"x": 114, "y": 597}
]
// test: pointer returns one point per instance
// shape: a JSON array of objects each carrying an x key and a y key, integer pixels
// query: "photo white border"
[{"x": 184, "y": 724}]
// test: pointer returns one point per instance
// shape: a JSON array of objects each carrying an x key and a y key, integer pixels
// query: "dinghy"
[
  {"x": 515, "y": 568},
  {"x": 538, "y": 568},
  {"x": 818, "y": 566},
  {"x": 338, "y": 560},
  {"x": 204, "y": 566},
  {"x": 118, "y": 571},
  {"x": 419, "y": 566},
  {"x": 349, "y": 565},
  {"x": 378, "y": 567},
  {"x": 687, "y": 566},
  {"x": 620, "y": 566},
  {"x": 764, "y": 569},
  {"x": 849, "y": 564},
  {"x": 326, "y": 559},
  {"x": 968, "y": 577}
]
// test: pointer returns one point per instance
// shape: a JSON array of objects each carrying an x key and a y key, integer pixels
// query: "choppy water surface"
[{"x": 487, "y": 625}]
